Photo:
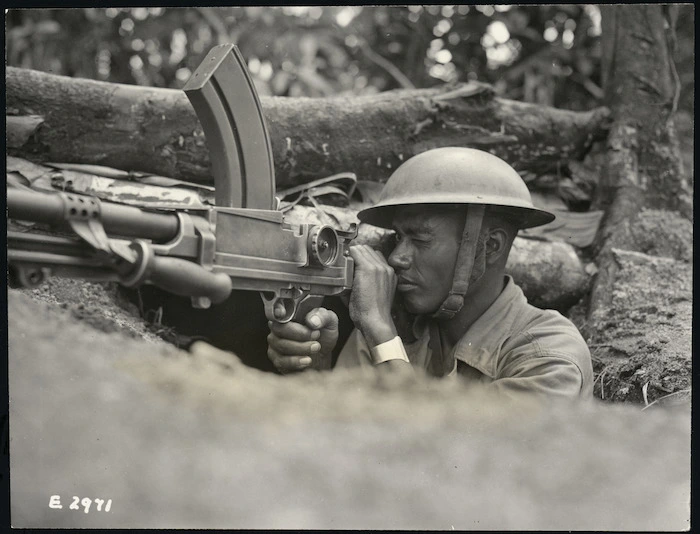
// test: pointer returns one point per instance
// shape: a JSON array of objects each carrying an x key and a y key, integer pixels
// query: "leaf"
[
  {"x": 672, "y": 399},
  {"x": 99, "y": 170},
  {"x": 370, "y": 191},
  {"x": 21, "y": 128},
  {"x": 164, "y": 181},
  {"x": 47, "y": 27},
  {"x": 577, "y": 229},
  {"x": 547, "y": 201},
  {"x": 341, "y": 186},
  {"x": 15, "y": 179},
  {"x": 26, "y": 168},
  {"x": 570, "y": 192}
]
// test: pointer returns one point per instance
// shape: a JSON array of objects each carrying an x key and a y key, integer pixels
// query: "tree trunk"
[
  {"x": 638, "y": 315},
  {"x": 644, "y": 167},
  {"x": 60, "y": 119}
]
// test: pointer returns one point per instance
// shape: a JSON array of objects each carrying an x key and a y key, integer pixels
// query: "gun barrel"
[{"x": 117, "y": 219}]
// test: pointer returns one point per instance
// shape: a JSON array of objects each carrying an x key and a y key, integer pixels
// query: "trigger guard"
[{"x": 290, "y": 308}]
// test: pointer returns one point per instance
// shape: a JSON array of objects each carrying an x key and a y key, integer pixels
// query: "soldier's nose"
[{"x": 399, "y": 259}]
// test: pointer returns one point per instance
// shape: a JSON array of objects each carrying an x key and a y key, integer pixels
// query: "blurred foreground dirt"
[{"x": 198, "y": 440}]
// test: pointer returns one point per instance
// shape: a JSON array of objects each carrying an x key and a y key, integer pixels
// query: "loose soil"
[
  {"x": 641, "y": 341},
  {"x": 100, "y": 305}
]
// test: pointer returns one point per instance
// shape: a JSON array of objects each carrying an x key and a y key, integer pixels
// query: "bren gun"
[{"x": 241, "y": 243}]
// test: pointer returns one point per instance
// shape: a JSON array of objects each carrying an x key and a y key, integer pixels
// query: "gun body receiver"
[{"x": 241, "y": 243}]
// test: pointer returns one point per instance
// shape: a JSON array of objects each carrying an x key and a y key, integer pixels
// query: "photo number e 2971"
[{"x": 86, "y": 504}]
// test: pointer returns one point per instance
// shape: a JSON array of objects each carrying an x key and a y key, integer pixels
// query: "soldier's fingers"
[
  {"x": 279, "y": 310},
  {"x": 361, "y": 257},
  {"x": 292, "y": 330},
  {"x": 287, "y": 347},
  {"x": 357, "y": 253},
  {"x": 288, "y": 363},
  {"x": 378, "y": 264},
  {"x": 367, "y": 259},
  {"x": 376, "y": 257}
]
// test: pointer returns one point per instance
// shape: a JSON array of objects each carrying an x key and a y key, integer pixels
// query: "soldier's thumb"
[{"x": 322, "y": 319}]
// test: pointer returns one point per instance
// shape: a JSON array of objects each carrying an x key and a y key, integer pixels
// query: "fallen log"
[{"x": 57, "y": 118}]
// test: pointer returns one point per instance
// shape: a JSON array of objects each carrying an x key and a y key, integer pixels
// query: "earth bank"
[{"x": 197, "y": 439}]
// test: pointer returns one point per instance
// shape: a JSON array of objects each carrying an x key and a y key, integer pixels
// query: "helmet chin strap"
[{"x": 464, "y": 264}]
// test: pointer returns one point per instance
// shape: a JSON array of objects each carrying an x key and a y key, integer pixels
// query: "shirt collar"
[{"x": 481, "y": 344}]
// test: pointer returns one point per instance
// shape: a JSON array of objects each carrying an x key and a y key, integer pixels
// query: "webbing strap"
[{"x": 464, "y": 264}]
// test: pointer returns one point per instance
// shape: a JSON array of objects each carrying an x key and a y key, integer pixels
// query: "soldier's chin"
[{"x": 416, "y": 307}]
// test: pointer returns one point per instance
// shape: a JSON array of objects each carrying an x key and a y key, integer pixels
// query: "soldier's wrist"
[{"x": 376, "y": 333}]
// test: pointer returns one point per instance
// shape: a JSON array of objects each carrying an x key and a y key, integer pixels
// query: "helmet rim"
[
  {"x": 457, "y": 176},
  {"x": 382, "y": 214}
]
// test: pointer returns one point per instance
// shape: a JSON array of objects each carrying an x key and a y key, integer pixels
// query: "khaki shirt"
[{"x": 512, "y": 348}]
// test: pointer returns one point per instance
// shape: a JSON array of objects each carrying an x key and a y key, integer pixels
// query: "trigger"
[{"x": 290, "y": 307}]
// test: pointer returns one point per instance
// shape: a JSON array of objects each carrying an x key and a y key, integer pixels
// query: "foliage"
[{"x": 543, "y": 54}]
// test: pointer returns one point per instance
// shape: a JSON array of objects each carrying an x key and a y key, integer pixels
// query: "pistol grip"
[{"x": 305, "y": 305}]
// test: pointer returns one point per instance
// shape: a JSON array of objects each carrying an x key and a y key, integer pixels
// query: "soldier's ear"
[{"x": 497, "y": 245}]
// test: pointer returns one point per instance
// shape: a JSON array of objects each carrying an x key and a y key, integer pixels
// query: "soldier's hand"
[
  {"x": 372, "y": 295},
  {"x": 295, "y": 346}
]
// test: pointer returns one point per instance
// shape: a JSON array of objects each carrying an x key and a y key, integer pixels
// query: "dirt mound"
[
  {"x": 644, "y": 340},
  {"x": 199, "y": 440},
  {"x": 641, "y": 339},
  {"x": 658, "y": 233},
  {"x": 101, "y": 305}
]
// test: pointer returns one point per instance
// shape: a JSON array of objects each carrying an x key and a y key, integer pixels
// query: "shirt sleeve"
[
  {"x": 355, "y": 353},
  {"x": 548, "y": 376}
]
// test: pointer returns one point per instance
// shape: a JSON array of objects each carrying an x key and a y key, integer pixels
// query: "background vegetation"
[{"x": 541, "y": 54}]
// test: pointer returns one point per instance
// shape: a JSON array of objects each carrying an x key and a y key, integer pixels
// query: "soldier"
[{"x": 455, "y": 213}]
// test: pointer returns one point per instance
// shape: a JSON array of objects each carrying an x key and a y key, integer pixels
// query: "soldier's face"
[{"x": 427, "y": 242}]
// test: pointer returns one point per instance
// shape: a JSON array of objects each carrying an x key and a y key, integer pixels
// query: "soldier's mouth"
[{"x": 405, "y": 285}]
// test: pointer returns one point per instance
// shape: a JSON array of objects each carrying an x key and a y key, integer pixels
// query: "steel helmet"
[{"x": 456, "y": 175}]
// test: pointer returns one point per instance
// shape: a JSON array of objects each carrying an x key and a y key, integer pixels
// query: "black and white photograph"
[{"x": 367, "y": 267}]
